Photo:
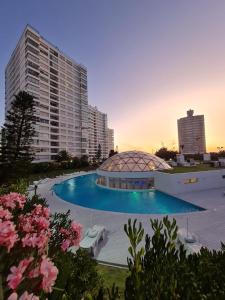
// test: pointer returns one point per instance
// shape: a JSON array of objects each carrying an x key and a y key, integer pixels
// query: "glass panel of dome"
[
  {"x": 146, "y": 168},
  {"x": 136, "y": 168},
  {"x": 124, "y": 168}
]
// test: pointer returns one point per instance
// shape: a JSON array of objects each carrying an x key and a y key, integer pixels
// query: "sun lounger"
[
  {"x": 192, "y": 248},
  {"x": 92, "y": 237},
  {"x": 189, "y": 240},
  {"x": 186, "y": 237}
]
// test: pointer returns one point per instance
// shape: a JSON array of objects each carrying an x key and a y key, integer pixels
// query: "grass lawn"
[
  {"x": 198, "y": 168},
  {"x": 111, "y": 275}
]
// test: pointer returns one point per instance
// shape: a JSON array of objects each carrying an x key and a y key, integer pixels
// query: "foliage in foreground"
[
  {"x": 158, "y": 268},
  {"x": 35, "y": 258},
  {"x": 162, "y": 271}
]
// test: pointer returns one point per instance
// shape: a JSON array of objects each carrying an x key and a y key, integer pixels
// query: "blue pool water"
[{"x": 83, "y": 191}]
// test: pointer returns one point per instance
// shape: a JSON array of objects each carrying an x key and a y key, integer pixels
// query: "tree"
[
  {"x": 19, "y": 130},
  {"x": 99, "y": 152},
  {"x": 166, "y": 154},
  {"x": 2, "y": 145},
  {"x": 84, "y": 161},
  {"x": 63, "y": 155},
  {"x": 112, "y": 152}
]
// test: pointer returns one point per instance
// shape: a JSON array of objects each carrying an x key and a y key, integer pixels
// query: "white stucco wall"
[
  {"x": 174, "y": 183},
  {"x": 126, "y": 174}
]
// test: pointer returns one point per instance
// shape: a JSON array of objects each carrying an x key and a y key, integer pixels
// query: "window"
[
  {"x": 53, "y": 71},
  {"x": 43, "y": 66},
  {"x": 44, "y": 93},
  {"x": 45, "y": 59},
  {"x": 32, "y": 57},
  {"x": 53, "y": 123},
  {"x": 54, "y": 117},
  {"x": 31, "y": 49},
  {"x": 31, "y": 64},
  {"x": 53, "y": 90},
  {"x": 44, "y": 72},
  {"x": 53, "y": 58},
  {"x": 55, "y": 104},
  {"x": 43, "y": 121},
  {"x": 53, "y": 52},
  {"x": 31, "y": 42},
  {"x": 54, "y": 130},
  {"x": 54, "y": 110},
  {"x": 32, "y": 35},
  {"x": 52, "y": 64},
  {"x": 44, "y": 79},
  {"x": 32, "y": 72},
  {"x": 32, "y": 87},
  {"x": 44, "y": 86},
  {"x": 44, "y": 52},
  {"x": 54, "y": 97},
  {"x": 44, "y": 46},
  {"x": 53, "y": 77},
  {"x": 43, "y": 135},
  {"x": 52, "y": 83},
  {"x": 33, "y": 80}
]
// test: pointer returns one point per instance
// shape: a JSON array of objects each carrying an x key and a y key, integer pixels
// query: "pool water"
[{"x": 83, "y": 191}]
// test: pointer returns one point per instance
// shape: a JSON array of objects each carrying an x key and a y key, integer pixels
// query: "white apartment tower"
[
  {"x": 191, "y": 134},
  {"x": 59, "y": 87},
  {"x": 98, "y": 133}
]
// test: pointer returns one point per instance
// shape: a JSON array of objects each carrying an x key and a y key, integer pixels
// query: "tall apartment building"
[
  {"x": 110, "y": 139},
  {"x": 59, "y": 87},
  {"x": 98, "y": 132},
  {"x": 191, "y": 134}
]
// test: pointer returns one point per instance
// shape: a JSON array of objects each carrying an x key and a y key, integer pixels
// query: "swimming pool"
[{"x": 83, "y": 191}]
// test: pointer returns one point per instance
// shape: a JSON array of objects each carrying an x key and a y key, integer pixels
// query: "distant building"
[
  {"x": 110, "y": 139},
  {"x": 191, "y": 134},
  {"x": 99, "y": 133}
]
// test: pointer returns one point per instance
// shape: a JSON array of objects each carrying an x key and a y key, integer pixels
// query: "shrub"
[
  {"x": 162, "y": 270},
  {"x": 27, "y": 265}
]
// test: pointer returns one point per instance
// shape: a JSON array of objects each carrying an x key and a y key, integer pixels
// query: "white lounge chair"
[
  {"x": 192, "y": 248},
  {"x": 92, "y": 237},
  {"x": 189, "y": 240}
]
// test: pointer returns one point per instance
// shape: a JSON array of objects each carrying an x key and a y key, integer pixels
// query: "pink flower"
[
  {"x": 49, "y": 273},
  {"x": 26, "y": 296},
  {"x": 13, "y": 296},
  {"x": 34, "y": 273},
  {"x": 12, "y": 200},
  {"x": 5, "y": 214},
  {"x": 33, "y": 240},
  {"x": 8, "y": 235},
  {"x": 71, "y": 236},
  {"x": 65, "y": 245},
  {"x": 77, "y": 228},
  {"x": 16, "y": 276}
]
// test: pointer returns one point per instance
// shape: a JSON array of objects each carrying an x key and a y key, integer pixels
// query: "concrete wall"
[{"x": 175, "y": 183}]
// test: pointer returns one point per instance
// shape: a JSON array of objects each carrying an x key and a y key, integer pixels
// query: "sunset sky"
[{"x": 148, "y": 61}]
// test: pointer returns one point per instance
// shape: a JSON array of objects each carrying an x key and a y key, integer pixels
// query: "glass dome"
[{"x": 134, "y": 161}]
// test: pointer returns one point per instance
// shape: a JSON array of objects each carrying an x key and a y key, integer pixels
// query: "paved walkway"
[{"x": 209, "y": 225}]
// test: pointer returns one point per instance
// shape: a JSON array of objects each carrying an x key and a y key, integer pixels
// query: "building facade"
[
  {"x": 191, "y": 134},
  {"x": 110, "y": 139},
  {"x": 98, "y": 133},
  {"x": 59, "y": 87}
]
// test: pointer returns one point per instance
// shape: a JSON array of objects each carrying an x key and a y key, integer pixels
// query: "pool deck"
[{"x": 209, "y": 225}]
